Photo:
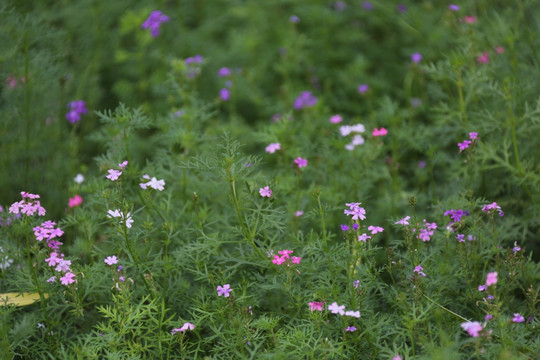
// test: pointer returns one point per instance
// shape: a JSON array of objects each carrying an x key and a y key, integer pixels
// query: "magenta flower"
[
  {"x": 75, "y": 201},
  {"x": 404, "y": 221},
  {"x": 397, "y": 357},
  {"x": 316, "y": 306},
  {"x": 68, "y": 278},
  {"x": 273, "y": 147},
  {"x": 285, "y": 253},
  {"x": 336, "y": 309},
  {"x": 491, "y": 278},
  {"x": 154, "y": 21},
  {"x": 499, "y": 50},
  {"x": 111, "y": 260},
  {"x": 460, "y": 237},
  {"x": 278, "y": 260},
  {"x": 224, "y": 290},
  {"x": 483, "y": 59},
  {"x": 465, "y": 144},
  {"x": 416, "y": 57},
  {"x": 488, "y": 317},
  {"x": 473, "y": 328},
  {"x": 300, "y": 162},
  {"x": 375, "y": 229},
  {"x": 382, "y": 132},
  {"x": 470, "y": 19},
  {"x": 418, "y": 269},
  {"x": 225, "y": 94},
  {"x": 265, "y": 191},
  {"x": 350, "y": 328},
  {"x": 296, "y": 259},
  {"x": 186, "y": 326},
  {"x": 491, "y": 208},
  {"x": 299, "y": 213},
  {"x": 336, "y": 119},
  {"x": 518, "y": 318},
  {"x": 473, "y": 135},
  {"x": 362, "y": 89}
]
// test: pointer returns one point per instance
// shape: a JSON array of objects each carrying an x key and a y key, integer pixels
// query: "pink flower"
[
  {"x": 296, "y": 259},
  {"x": 53, "y": 259},
  {"x": 113, "y": 174},
  {"x": 278, "y": 260},
  {"x": 483, "y": 59},
  {"x": 350, "y": 328},
  {"x": 75, "y": 201},
  {"x": 111, "y": 260},
  {"x": 224, "y": 290},
  {"x": 299, "y": 213},
  {"x": 491, "y": 278},
  {"x": 418, "y": 269},
  {"x": 300, "y": 162},
  {"x": 68, "y": 278},
  {"x": 265, "y": 191},
  {"x": 499, "y": 50},
  {"x": 381, "y": 132},
  {"x": 316, "y": 306},
  {"x": 285, "y": 253},
  {"x": 336, "y": 119},
  {"x": 470, "y": 19},
  {"x": 404, "y": 221},
  {"x": 364, "y": 237},
  {"x": 518, "y": 318},
  {"x": 272, "y": 148},
  {"x": 473, "y": 135},
  {"x": 375, "y": 229},
  {"x": 186, "y": 326},
  {"x": 398, "y": 357},
  {"x": 356, "y": 211},
  {"x": 473, "y": 328},
  {"x": 63, "y": 266},
  {"x": 123, "y": 164}
]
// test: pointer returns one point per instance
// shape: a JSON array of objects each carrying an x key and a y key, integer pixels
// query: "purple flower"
[
  {"x": 460, "y": 237},
  {"x": 491, "y": 208},
  {"x": 465, "y": 144},
  {"x": 273, "y": 147},
  {"x": 367, "y": 5},
  {"x": 418, "y": 269},
  {"x": 77, "y": 108},
  {"x": 197, "y": 59},
  {"x": 516, "y": 248},
  {"x": 518, "y": 318},
  {"x": 355, "y": 226},
  {"x": 401, "y": 8},
  {"x": 304, "y": 100},
  {"x": 300, "y": 162},
  {"x": 225, "y": 94},
  {"x": 416, "y": 102},
  {"x": 362, "y": 89},
  {"x": 404, "y": 221},
  {"x": 422, "y": 164},
  {"x": 364, "y": 237},
  {"x": 416, "y": 57},
  {"x": 340, "y": 5},
  {"x": 453, "y": 7},
  {"x": 294, "y": 19},
  {"x": 154, "y": 22},
  {"x": 455, "y": 215},
  {"x": 223, "y": 72},
  {"x": 350, "y": 328},
  {"x": 344, "y": 227},
  {"x": 355, "y": 211},
  {"x": 224, "y": 290},
  {"x": 473, "y": 135}
]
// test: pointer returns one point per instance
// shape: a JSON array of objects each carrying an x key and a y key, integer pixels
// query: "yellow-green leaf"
[{"x": 19, "y": 299}]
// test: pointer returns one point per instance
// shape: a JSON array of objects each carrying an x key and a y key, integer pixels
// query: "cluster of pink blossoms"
[
  {"x": 340, "y": 309},
  {"x": 186, "y": 326},
  {"x": 355, "y": 211},
  {"x": 492, "y": 208},
  {"x": 48, "y": 232},
  {"x": 285, "y": 258},
  {"x": 28, "y": 206},
  {"x": 473, "y": 137},
  {"x": 115, "y": 174},
  {"x": 491, "y": 279}
]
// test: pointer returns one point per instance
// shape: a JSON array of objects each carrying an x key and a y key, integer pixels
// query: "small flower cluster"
[
  {"x": 75, "y": 201},
  {"x": 426, "y": 232},
  {"x": 153, "y": 183},
  {"x": 5, "y": 261},
  {"x": 467, "y": 143},
  {"x": 265, "y": 191},
  {"x": 355, "y": 211},
  {"x": 115, "y": 174},
  {"x": 492, "y": 208},
  {"x": 455, "y": 218},
  {"x": 419, "y": 270},
  {"x": 379, "y": 132},
  {"x": 357, "y": 139},
  {"x": 491, "y": 279},
  {"x": 340, "y": 309},
  {"x": 28, "y": 206},
  {"x": 305, "y": 100},
  {"x": 285, "y": 258},
  {"x": 118, "y": 214},
  {"x": 76, "y": 108},
  {"x": 374, "y": 230},
  {"x": 154, "y": 21},
  {"x": 48, "y": 232},
  {"x": 300, "y": 162}
]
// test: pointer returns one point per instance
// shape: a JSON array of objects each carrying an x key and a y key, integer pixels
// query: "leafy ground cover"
[{"x": 269, "y": 180}]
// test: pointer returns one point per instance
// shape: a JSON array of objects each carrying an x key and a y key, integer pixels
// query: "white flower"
[
  {"x": 79, "y": 178},
  {"x": 355, "y": 314},
  {"x": 153, "y": 183}
]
